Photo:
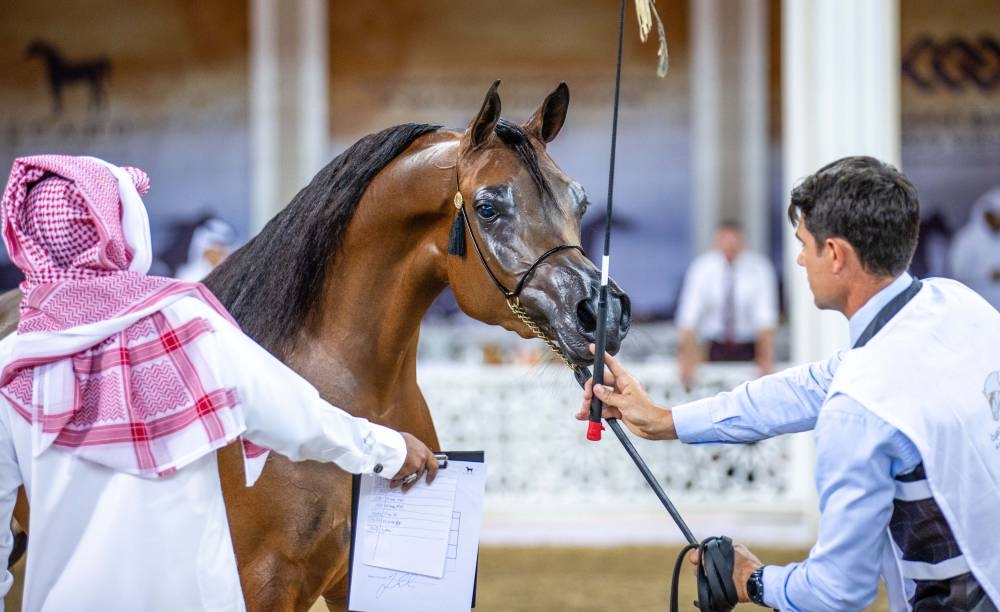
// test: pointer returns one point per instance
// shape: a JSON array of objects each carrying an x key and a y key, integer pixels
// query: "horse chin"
[{"x": 573, "y": 346}]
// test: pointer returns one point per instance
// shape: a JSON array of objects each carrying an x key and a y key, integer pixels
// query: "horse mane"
[{"x": 270, "y": 284}]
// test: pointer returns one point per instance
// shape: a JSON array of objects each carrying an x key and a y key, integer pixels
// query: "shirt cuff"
[
  {"x": 694, "y": 423},
  {"x": 774, "y": 578},
  {"x": 386, "y": 451}
]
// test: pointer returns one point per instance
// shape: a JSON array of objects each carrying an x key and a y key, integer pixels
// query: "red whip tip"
[{"x": 594, "y": 429}]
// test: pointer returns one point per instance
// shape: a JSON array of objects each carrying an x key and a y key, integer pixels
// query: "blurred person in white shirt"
[
  {"x": 729, "y": 301},
  {"x": 975, "y": 253},
  {"x": 211, "y": 242}
]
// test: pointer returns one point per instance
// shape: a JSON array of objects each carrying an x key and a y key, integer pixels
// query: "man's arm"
[
  {"x": 285, "y": 413},
  {"x": 766, "y": 316},
  {"x": 858, "y": 456},
  {"x": 765, "y": 351},
  {"x": 690, "y": 310},
  {"x": 784, "y": 402}
]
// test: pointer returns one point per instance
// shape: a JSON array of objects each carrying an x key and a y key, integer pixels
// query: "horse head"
[
  {"x": 523, "y": 217},
  {"x": 38, "y": 48}
]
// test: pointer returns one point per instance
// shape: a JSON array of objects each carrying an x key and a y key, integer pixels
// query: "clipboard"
[{"x": 465, "y": 456}]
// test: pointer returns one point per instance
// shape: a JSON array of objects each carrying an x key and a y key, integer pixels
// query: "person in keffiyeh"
[{"x": 115, "y": 392}]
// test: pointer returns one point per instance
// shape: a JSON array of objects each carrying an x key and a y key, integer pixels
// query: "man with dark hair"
[{"x": 907, "y": 453}]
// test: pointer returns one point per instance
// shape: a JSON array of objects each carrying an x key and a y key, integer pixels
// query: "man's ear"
[{"x": 841, "y": 254}]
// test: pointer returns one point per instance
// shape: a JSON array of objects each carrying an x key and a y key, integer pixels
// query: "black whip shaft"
[
  {"x": 602, "y": 305},
  {"x": 616, "y": 427},
  {"x": 602, "y": 342}
]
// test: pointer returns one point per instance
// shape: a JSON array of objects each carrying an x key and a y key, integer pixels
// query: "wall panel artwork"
[
  {"x": 950, "y": 97},
  {"x": 157, "y": 84}
]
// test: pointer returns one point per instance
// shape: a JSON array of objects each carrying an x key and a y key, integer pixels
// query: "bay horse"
[{"x": 336, "y": 286}]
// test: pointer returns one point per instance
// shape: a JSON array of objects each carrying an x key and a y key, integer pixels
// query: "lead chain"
[{"x": 515, "y": 306}]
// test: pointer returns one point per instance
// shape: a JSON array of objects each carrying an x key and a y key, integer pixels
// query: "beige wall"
[
  {"x": 396, "y": 60},
  {"x": 176, "y": 95}
]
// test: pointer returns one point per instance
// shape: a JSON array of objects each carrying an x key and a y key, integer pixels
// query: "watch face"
[{"x": 755, "y": 585}]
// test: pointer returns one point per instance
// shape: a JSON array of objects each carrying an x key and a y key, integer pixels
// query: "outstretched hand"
[{"x": 625, "y": 399}]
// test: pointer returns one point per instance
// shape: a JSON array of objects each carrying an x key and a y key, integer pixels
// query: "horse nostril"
[
  {"x": 587, "y": 316},
  {"x": 626, "y": 319}
]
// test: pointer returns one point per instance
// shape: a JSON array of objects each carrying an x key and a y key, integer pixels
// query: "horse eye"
[{"x": 487, "y": 212}]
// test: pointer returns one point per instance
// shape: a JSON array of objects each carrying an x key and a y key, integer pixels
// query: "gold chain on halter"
[{"x": 515, "y": 306}]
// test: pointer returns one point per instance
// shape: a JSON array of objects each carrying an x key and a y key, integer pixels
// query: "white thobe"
[{"x": 109, "y": 541}]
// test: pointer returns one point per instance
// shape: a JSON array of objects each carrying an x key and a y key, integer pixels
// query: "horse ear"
[
  {"x": 482, "y": 126},
  {"x": 548, "y": 119}
]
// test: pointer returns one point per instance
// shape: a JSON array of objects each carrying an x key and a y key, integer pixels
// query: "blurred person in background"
[
  {"x": 212, "y": 240},
  {"x": 975, "y": 252},
  {"x": 729, "y": 299},
  {"x": 907, "y": 421}
]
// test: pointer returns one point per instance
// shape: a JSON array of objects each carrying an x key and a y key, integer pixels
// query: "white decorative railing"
[{"x": 547, "y": 484}]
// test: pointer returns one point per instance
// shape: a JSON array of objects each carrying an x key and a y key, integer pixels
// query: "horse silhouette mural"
[{"x": 94, "y": 73}]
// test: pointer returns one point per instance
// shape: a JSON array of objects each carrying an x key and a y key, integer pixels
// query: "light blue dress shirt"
[{"x": 858, "y": 455}]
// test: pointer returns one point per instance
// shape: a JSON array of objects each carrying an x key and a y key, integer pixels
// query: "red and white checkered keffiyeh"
[{"x": 96, "y": 367}]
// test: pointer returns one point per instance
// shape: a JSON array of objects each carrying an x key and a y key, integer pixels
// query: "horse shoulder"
[{"x": 10, "y": 311}]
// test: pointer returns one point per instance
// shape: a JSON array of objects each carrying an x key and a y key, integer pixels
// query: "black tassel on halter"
[{"x": 456, "y": 242}]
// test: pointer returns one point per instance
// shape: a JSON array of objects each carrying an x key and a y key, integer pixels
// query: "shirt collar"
[{"x": 866, "y": 313}]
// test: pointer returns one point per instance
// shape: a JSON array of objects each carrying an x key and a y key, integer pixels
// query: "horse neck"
[{"x": 389, "y": 268}]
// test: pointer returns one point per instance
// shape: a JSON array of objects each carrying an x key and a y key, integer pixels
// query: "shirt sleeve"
[
  {"x": 857, "y": 457},
  {"x": 784, "y": 402},
  {"x": 10, "y": 480},
  {"x": 285, "y": 413},
  {"x": 690, "y": 303},
  {"x": 766, "y": 307}
]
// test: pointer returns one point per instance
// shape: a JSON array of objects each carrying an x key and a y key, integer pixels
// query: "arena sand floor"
[{"x": 634, "y": 579}]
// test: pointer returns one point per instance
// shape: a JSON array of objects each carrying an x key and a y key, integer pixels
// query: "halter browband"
[{"x": 512, "y": 296}]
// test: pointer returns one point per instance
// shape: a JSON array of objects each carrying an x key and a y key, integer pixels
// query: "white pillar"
[
  {"x": 840, "y": 62},
  {"x": 729, "y": 88},
  {"x": 706, "y": 141},
  {"x": 288, "y": 101}
]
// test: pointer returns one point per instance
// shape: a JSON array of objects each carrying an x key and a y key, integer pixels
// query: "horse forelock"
[{"x": 517, "y": 139}]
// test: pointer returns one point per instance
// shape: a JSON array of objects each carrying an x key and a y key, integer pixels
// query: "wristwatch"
[{"x": 755, "y": 586}]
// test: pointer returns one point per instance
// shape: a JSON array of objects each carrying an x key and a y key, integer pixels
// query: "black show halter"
[
  {"x": 456, "y": 246},
  {"x": 511, "y": 296}
]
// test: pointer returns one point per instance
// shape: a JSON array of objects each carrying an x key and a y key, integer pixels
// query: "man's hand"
[
  {"x": 627, "y": 401},
  {"x": 744, "y": 563},
  {"x": 419, "y": 459}
]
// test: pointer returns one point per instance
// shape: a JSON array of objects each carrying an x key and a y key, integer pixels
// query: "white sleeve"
[
  {"x": 690, "y": 304},
  {"x": 10, "y": 480},
  {"x": 766, "y": 309},
  {"x": 286, "y": 414}
]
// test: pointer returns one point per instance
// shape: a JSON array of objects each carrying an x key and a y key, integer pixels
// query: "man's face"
[
  {"x": 817, "y": 265},
  {"x": 729, "y": 242}
]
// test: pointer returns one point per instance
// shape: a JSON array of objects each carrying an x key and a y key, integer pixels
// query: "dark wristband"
[{"x": 755, "y": 586}]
